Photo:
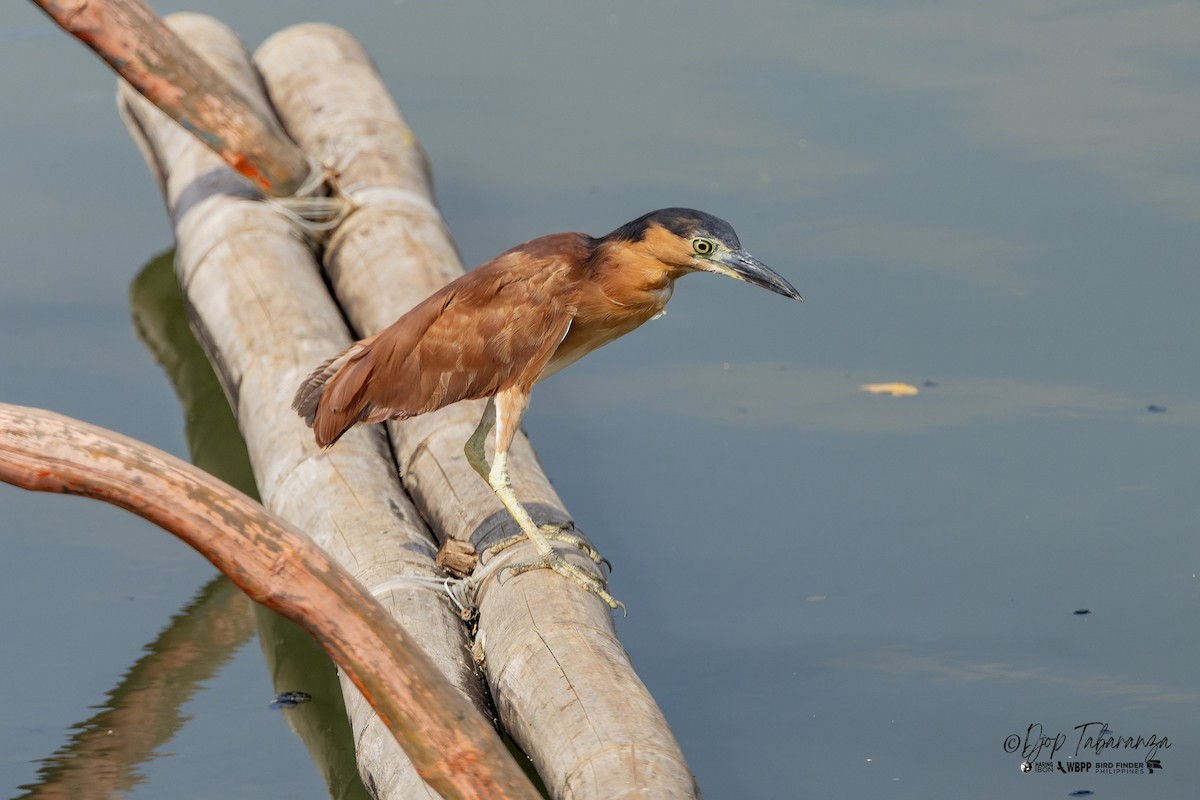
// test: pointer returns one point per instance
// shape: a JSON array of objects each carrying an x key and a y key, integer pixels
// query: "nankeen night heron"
[{"x": 519, "y": 318}]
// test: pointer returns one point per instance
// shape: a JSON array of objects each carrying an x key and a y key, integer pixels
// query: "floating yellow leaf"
[{"x": 894, "y": 389}]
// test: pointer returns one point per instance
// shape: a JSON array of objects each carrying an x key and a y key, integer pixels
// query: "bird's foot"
[
  {"x": 585, "y": 579},
  {"x": 557, "y": 532}
]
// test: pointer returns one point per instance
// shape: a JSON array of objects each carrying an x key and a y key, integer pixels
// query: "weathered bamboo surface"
[
  {"x": 563, "y": 685},
  {"x": 159, "y": 64},
  {"x": 264, "y": 316},
  {"x": 453, "y": 746}
]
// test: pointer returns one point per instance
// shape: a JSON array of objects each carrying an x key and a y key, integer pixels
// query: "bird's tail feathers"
[{"x": 330, "y": 400}]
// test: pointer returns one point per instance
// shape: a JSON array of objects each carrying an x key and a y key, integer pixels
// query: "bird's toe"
[{"x": 583, "y": 578}]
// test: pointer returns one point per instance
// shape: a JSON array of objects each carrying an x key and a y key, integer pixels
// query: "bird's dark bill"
[{"x": 749, "y": 269}]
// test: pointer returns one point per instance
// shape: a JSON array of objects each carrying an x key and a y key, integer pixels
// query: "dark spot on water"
[
  {"x": 1079, "y": 612},
  {"x": 1081, "y": 793},
  {"x": 290, "y": 699},
  {"x": 929, "y": 384},
  {"x": 1155, "y": 409}
]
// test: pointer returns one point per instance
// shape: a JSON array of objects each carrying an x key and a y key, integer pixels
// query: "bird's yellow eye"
[{"x": 703, "y": 247}]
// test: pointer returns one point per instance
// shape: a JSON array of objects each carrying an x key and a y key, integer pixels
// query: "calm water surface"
[{"x": 831, "y": 594}]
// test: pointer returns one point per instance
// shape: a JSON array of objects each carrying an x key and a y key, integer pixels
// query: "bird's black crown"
[{"x": 684, "y": 222}]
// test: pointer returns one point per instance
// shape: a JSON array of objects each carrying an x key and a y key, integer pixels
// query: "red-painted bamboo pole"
[
  {"x": 453, "y": 747},
  {"x": 154, "y": 60}
]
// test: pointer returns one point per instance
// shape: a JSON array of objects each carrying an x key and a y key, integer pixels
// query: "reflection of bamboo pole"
[
  {"x": 563, "y": 684},
  {"x": 451, "y": 744},
  {"x": 294, "y": 658},
  {"x": 142, "y": 712},
  {"x": 259, "y": 306},
  {"x": 296, "y": 662},
  {"x": 214, "y": 443},
  {"x": 157, "y": 62}
]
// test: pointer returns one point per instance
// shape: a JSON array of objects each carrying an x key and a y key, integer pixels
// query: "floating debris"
[
  {"x": 929, "y": 384},
  {"x": 290, "y": 699},
  {"x": 893, "y": 389},
  {"x": 1079, "y": 612},
  {"x": 1156, "y": 409},
  {"x": 1081, "y": 793}
]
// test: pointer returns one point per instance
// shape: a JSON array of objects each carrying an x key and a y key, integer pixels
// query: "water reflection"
[{"x": 143, "y": 711}]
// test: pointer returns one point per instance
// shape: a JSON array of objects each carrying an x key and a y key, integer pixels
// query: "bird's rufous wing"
[{"x": 494, "y": 328}]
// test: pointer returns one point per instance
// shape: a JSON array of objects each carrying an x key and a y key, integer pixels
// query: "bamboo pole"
[
  {"x": 261, "y": 311},
  {"x": 276, "y": 565},
  {"x": 563, "y": 685},
  {"x": 154, "y": 60}
]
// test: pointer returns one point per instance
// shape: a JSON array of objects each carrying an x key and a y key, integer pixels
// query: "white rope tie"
[
  {"x": 309, "y": 208},
  {"x": 460, "y": 591},
  {"x": 362, "y": 195}
]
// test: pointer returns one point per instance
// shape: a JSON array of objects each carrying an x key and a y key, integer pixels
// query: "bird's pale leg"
[
  {"x": 474, "y": 447},
  {"x": 477, "y": 458},
  {"x": 510, "y": 405}
]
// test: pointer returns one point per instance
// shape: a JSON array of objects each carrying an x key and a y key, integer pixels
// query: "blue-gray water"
[{"x": 831, "y": 594}]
